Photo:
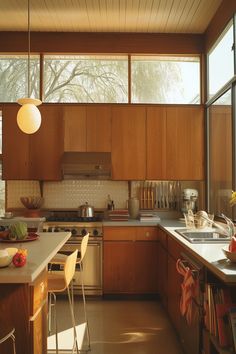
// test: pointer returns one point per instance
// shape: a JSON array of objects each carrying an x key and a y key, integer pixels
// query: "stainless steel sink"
[{"x": 199, "y": 236}]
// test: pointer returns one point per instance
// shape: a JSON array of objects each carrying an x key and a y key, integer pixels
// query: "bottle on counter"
[{"x": 109, "y": 202}]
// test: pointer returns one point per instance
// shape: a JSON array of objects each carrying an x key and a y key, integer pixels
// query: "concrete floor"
[{"x": 124, "y": 327}]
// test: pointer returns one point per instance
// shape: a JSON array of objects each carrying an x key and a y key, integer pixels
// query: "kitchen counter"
[
  {"x": 40, "y": 252},
  {"x": 23, "y": 294},
  {"x": 210, "y": 255}
]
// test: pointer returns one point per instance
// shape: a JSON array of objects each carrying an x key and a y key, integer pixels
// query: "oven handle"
[{"x": 77, "y": 244}]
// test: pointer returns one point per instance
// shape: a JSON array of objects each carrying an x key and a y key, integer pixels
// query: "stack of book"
[
  {"x": 119, "y": 215},
  {"x": 220, "y": 315},
  {"x": 149, "y": 216}
]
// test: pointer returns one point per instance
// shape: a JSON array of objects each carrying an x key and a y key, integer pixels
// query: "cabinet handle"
[
  {"x": 147, "y": 234},
  {"x": 42, "y": 287}
]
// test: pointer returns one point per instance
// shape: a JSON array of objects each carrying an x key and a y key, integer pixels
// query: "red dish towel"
[{"x": 187, "y": 291}]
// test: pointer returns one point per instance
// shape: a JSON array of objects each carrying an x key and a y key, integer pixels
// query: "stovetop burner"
[
  {"x": 72, "y": 216},
  {"x": 74, "y": 219}
]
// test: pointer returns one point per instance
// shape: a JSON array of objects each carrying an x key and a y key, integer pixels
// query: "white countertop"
[
  {"x": 210, "y": 255},
  {"x": 40, "y": 252}
]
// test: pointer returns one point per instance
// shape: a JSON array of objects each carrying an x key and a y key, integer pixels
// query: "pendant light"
[{"x": 28, "y": 116}]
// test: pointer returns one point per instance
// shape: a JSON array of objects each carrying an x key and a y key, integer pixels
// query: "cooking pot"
[{"x": 86, "y": 211}]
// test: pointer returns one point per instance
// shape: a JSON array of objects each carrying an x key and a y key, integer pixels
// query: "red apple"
[
  {"x": 19, "y": 259},
  {"x": 232, "y": 245}
]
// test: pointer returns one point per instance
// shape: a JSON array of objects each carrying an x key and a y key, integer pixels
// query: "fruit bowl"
[
  {"x": 229, "y": 255},
  {"x": 32, "y": 202}
]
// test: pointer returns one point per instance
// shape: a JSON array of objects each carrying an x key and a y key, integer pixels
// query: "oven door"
[{"x": 92, "y": 267}]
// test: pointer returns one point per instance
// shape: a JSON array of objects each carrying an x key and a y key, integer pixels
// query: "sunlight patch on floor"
[{"x": 66, "y": 338}]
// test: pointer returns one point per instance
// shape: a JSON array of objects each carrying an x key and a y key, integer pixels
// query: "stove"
[
  {"x": 92, "y": 264},
  {"x": 78, "y": 226}
]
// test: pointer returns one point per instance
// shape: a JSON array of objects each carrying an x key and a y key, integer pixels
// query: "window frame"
[
  {"x": 230, "y": 85},
  {"x": 129, "y": 74}
]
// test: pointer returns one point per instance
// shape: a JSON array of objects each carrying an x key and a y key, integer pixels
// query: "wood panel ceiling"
[{"x": 144, "y": 16}]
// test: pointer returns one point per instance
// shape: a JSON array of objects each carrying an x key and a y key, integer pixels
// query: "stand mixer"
[{"x": 189, "y": 200}]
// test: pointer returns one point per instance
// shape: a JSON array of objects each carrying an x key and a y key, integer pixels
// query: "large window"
[
  {"x": 221, "y": 117},
  {"x": 220, "y": 155},
  {"x": 165, "y": 79},
  {"x": 14, "y": 77},
  {"x": 221, "y": 62},
  {"x": 100, "y": 79}
]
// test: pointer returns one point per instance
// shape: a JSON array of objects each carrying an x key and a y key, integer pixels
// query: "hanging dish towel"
[{"x": 187, "y": 291}]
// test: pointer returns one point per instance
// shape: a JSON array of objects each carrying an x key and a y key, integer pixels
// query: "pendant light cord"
[{"x": 29, "y": 48}]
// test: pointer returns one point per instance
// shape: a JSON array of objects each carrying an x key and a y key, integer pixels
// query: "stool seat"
[
  {"x": 60, "y": 259},
  {"x": 58, "y": 282}
]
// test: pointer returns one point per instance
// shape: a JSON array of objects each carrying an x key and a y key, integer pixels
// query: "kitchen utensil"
[{"x": 86, "y": 211}]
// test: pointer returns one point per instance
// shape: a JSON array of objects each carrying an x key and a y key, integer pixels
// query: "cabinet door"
[
  {"x": 98, "y": 128},
  {"x": 174, "y": 293},
  {"x": 46, "y": 145},
  {"x": 74, "y": 128},
  {"x": 185, "y": 143},
  {"x": 15, "y": 146},
  {"x": 162, "y": 275},
  {"x": 38, "y": 331},
  {"x": 146, "y": 267},
  {"x": 128, "y": 143},
  {"x": 156, "y": 143},
  {"x": 118, "y": 270}
]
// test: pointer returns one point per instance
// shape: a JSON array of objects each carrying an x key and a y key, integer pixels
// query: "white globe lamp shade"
[{"x": 29, "y": 118}]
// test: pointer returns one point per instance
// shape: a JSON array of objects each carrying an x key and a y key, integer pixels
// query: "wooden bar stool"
[
  {"x": 60, "y": 259},
  {"x": 58, "y": 282},
  {"x": 11, "y": 336}
]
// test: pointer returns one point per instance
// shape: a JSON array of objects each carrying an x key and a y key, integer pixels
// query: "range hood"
[{"x": 86, "y": 165}]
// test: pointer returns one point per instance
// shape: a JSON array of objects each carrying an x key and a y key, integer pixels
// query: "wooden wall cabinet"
[
  {"x": 130, "y": 260},
  {"x": 175, "y": 143},
  {"x": 129, "y": 143},
  {"x": 87, "y": 128},
  {"x": 185, "y": 143},
  {"x": 36, "y": 156}
]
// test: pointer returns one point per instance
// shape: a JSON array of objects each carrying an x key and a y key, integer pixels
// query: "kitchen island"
[{"x": 23, "y": 294}]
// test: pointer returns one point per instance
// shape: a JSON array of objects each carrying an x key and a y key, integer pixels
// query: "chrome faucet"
[{"x": 230, "y": 225}]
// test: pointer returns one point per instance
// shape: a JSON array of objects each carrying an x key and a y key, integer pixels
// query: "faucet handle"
[{"x": 230, "y": 225}]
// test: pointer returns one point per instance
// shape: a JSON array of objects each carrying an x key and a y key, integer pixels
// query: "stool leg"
[
  {"x": 84, "y": 303},
  {"x": 13, "y": 342},
  {"x": 52, "y": 302},
  {"x": 12, "y": 337},
  {"x": 71, "y": 302}
]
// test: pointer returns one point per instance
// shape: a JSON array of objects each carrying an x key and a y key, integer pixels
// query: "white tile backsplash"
[{"x": 69, "y": 194}]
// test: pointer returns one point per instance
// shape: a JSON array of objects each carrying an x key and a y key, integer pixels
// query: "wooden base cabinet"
[
  {"x": 24, "y": 307},
  {"x": 130, "y": 260}
]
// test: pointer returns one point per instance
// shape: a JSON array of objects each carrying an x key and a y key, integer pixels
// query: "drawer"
[
  {"x": 147, "y": 234},
  {"x": 119, "y": 233},
  {"x": 38, "y": 292}
]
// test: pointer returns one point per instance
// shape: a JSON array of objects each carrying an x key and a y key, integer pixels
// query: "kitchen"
[{"x": 148, "y": 138}]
